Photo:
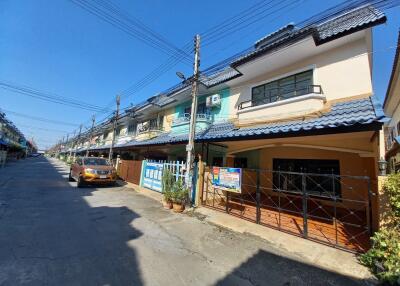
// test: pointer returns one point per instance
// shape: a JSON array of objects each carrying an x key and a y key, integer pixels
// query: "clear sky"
[{"x": 57, "y": 47}]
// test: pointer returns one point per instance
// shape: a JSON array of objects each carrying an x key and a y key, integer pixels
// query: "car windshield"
[{"x": 95, "y": 162}]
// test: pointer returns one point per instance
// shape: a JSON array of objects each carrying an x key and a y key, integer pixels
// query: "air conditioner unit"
[{"x": 213, "y": 100}]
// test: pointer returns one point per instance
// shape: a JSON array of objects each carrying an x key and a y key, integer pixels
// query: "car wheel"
[
  {"x": 80, "y": 182},
  {"x": 70, "y": 176}
]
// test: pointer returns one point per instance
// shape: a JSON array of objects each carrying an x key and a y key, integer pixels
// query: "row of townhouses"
[
  {"x": 13, "y": 143},
  {"x": 296, "y": 112}
]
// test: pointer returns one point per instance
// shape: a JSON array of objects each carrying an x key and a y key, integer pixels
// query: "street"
[{"x": 53, "y": 233}]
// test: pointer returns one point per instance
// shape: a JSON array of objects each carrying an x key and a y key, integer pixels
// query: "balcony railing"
[
  {"x": 150, "y": 129},
  {"x": 281, "y": 93},
  {"x": 186, "y": 118}
]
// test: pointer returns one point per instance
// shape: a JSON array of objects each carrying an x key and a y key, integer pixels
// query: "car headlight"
[{"x": 90, "y": 171}]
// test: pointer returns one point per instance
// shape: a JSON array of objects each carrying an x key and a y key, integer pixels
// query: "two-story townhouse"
[
  {"x": 391, "y": 107},
  {"x": 11, "y": 138},
  {"x": 296, "y": 112}
]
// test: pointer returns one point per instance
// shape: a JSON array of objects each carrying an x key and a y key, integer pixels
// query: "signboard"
[
  {"x": 153, "y": 176},
  {"x": 227, "y": 179}
]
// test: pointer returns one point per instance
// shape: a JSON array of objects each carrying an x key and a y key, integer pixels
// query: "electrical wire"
[
  {"x": 38, "y": 118},
  {"x": 110, "y": 14},
  {"x": 28, "y": 91}
]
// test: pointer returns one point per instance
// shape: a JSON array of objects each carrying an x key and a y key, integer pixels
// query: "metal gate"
[
  {"x": 130, "y": 171},
  {"x": 328, "y": 208}
]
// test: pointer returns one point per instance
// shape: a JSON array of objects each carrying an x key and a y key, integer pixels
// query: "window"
[
  {"x": 95, "y": 162},
  {"x": 217, "y": 161},
  {"x": 284, "y": 88},
  {"x": 240, "y": 162},
  {"x": 153, "y": 123},
  {"x": 105, "y": 135},
  {"x": 132, "y": 128},
  {"x": 287, "y": 176},
  {"x": 118, "y": 131},
  {"x": 201, "y": 109}
]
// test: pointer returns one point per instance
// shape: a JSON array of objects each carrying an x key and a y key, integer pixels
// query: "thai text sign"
[
  {"x": 153, "y": 176},
  {"x": 227, "y": 179}
]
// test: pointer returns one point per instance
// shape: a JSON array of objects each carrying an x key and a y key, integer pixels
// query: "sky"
[{"x": 57, "y": 47}]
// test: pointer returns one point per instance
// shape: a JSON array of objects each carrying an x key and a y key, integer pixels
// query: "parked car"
[{"x": 92, "y": 170}]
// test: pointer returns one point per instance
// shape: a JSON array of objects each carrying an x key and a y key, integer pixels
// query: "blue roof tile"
[{"x": 361, "y": 111}]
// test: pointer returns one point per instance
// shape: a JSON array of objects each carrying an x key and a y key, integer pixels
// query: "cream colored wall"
[
  {"x": 342, "y": 72},
  {"x": 168, "y": 117}
]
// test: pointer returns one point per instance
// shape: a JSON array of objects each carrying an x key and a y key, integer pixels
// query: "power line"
[
  {"x": 29, "y": 91},
  {"x": 44, "y": 129},
  {"x": 113, "y": 15},
  {"x": 38, "y": 118}
]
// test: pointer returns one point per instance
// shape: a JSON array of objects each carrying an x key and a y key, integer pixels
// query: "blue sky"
[{"x": 57, "y": 47}]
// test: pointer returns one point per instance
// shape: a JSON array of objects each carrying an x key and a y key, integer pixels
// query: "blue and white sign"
[
  {"x": 153, "y": 176},
  {"x": 227, "y": 179}
]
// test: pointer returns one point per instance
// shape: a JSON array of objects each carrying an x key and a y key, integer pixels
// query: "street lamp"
[{"x": 181, "y": 75}]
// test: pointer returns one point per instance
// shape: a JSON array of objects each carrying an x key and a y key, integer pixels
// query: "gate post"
[{"x": 303, "y": 186}]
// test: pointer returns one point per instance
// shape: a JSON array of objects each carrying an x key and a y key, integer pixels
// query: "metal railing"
[
  {"x": 150, "y": 129},
  {"x": 278, "y": 94},
  {"x": 328, "y": 208},
  {"x": 185, "y": 118}
]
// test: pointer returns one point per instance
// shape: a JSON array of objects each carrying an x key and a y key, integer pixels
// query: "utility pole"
[
  {"x": 193, "y": 116},
  {"x": 91, "y": 135},
  {"x": 118, "y": 101},
  {"x": 71, "y": 146},
  {"x": 77, "y": 139}
]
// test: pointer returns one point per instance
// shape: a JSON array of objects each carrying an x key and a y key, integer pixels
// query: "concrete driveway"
[{"x": 52, "y": 233}]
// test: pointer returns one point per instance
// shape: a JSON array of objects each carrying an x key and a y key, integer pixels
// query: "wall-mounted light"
[{"x": 382, "y": 165}]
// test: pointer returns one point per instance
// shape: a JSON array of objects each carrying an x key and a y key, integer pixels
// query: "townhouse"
[
  {"x": 391, "y": 108},
  {"x": 12, "y": 141},
  {"x": 295, "y": 112}
]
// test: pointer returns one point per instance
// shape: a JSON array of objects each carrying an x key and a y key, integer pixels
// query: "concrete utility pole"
[
  {"x": 91, "y": 135},
  {"x": 71, "y": 146},
  {"x": 193, "y": 116},
  {"x": 110, "y": 155},
  {"x": 79, "y": 136}
]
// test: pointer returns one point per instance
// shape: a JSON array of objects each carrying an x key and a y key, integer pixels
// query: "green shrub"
[
  {"x": 179, "y": 192},
  {"x": 392, "y": 189},
  {"x": 384, "y": 256},
  {"x": 168, "y": 181}
]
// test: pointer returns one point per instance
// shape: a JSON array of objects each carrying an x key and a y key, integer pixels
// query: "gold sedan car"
[{"x": 92, "y": 170}]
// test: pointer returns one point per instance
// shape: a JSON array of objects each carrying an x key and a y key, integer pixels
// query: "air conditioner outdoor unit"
[{"x": 213, "y": 100}]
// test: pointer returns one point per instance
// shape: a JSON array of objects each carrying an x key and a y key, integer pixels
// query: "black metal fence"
[{"x": 328, "y": 208}]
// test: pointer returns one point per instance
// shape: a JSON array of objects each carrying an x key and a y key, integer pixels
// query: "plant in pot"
[
  {"x": 179, "y": 196},
  {"x": 168, "y": 181}
]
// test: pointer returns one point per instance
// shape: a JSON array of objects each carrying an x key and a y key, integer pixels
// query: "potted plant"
[
  {"x": 179, "y": 196},
  {"x": 167, "y": 184}
]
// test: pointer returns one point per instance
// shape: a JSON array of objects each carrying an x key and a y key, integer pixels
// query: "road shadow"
[
  {"x": 266, "y": 268},
  {"x": 52, "y": 234}
]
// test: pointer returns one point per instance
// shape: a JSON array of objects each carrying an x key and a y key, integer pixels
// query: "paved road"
[{"x": 52, "y": 233}]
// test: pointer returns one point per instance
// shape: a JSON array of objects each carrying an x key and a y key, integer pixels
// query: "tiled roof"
[
  {"x": 343, "y": 114},
  {"x": 331, "y": 29},
  {"x": 353, "y": 20}
]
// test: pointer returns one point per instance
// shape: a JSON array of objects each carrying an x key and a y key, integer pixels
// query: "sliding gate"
[{"x": 328, "y": 208}]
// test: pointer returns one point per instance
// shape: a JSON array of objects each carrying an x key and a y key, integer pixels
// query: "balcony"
[
  {"x": 282, "y": 103},
  {"x": 148, "y": 132},
  {"x": 181, "y": 123},
  {"x": 279, "y": 94}
]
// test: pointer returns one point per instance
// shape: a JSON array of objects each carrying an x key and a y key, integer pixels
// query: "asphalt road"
[{"x": 52, "y": 233}]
